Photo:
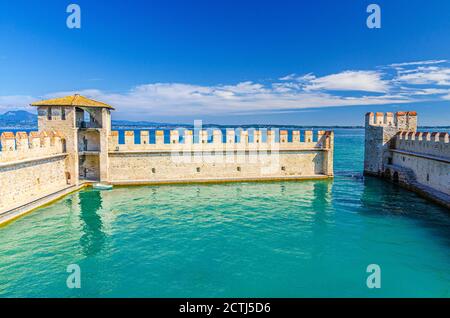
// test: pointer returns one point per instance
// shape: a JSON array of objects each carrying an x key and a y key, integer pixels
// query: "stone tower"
[
  {"x": 84, "y": 125},
  {"x": 380, "y": 128}
]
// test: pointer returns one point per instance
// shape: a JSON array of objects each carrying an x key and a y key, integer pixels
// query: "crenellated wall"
[
  {"x": 22, "y": 146},
  {"x": 75, "y": 146},
  {"x": 380, "y": 129},
  {"x": 426, "y": 155},
  {"x": 419, "y": 161},
  {"x": 212, "y": 156},
  {"x": 31, "y": 166},
  {"x": 263, "y": 139},
  {"x": 430, "y": 143}
]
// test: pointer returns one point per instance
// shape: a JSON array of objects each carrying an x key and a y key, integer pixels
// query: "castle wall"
[
  {"x": 373, "y": 150},
  {"x": 419, "y": 161},
  {"x": 380, "y": 129},
  {"x": 432, "y": 173},
  {"x": 216, "y": 160},
  {"x": 433, "y": 144},
  {"x": 31, "y": 167},
  {"x": 427, "y": 155}
]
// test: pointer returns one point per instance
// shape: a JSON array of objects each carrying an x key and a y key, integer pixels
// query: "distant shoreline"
[
  {"x": 23, "y": 120},
  {"x": 206, "y": 126}
]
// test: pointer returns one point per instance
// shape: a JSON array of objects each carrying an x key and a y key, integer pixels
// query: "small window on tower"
[
  {"x": 63, "y": 113},
  {"x": 49, "y": 113}
]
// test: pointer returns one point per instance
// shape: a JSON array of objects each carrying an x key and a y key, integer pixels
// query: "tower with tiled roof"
[{"x": 84, "y": 125}]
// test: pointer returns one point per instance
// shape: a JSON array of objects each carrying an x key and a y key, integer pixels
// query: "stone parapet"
[
  {"x": 400, "y": 120},
  {"x": 22, "y": 145},
  {"x": 430, "y": 143},
  {"x": 213, "y": 140}
]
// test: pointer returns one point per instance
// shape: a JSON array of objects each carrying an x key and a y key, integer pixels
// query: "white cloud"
[
  {"x": 184, "y": 99},
  {"x": 426, "y": 75},
  {"x": 289, "y": 77},
  {"x": 428, "y": 62},
  {"x": 367, "y": 81},
  {"x": 428, "y": 91},
  {"x": 291, "y": 92},
  {"x": 298, "y": 78}
]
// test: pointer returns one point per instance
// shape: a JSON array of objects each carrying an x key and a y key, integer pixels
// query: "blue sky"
[{"x": 234, "y": 61}]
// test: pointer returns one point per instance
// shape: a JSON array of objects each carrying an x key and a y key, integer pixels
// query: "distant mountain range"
[
  {"x": 21, "y": 119},
  {"x": 18, "y": 118},
  {"x": 25, "y": 120}
]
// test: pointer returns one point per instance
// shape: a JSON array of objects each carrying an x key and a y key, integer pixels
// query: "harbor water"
[{"x": 274, "y": 239}]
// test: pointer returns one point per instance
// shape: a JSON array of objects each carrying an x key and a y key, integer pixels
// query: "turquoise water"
[{"x": 281, "y": 239}]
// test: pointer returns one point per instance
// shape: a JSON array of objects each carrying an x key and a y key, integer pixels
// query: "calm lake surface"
[{"x": 281, "y": 239}]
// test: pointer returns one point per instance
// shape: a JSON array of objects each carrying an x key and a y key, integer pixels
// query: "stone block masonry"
[
  {"x": 419, "y": 161},
  {"x": 31, "y": 166},
  {"x": 214, "y": 157}
]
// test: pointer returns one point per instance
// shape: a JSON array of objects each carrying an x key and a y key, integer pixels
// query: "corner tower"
[
  {"x": 380, "y": 129},
  {"x": 84, "y": 125}
]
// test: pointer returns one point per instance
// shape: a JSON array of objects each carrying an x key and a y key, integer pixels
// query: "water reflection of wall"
[
  {"x": 93, "y": 237},
  {"x": 310, "y": 205},
  {"x": 380, "y": 197},
  {"x": 322, "y": 218}
]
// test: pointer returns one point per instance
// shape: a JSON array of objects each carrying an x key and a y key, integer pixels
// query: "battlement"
[
  {"x": 435, "y": 137},
  {"x": 21, "y": 145},
  {"x": 205, "y": 155},
  {"x": 398, "y": 120},
  {"x": 217, "y": 139},
  {"x": 419, "y": 161},
  {"x": 429, "y": 143}
]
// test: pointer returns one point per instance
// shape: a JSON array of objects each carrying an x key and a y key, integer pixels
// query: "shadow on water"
[
  {"x": 381, "y": 198},
  {"x": 93, "y": 238}
]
